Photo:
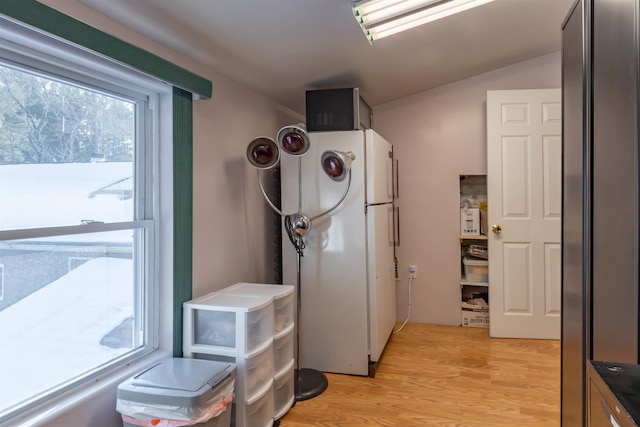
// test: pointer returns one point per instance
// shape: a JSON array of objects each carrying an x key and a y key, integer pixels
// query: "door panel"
[
  {"x": 517, "y": 267},
  {"x": 515, "y": 177},
  {"x": 552, "y": 278}
]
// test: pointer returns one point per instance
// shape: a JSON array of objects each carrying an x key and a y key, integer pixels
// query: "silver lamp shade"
[
  {"x": 263, "y": 153},
  {"x": 337, "y": 164},
  {"x": 294, "y": 139}
]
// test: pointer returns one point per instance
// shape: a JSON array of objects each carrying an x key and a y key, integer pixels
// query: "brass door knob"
[{"x": 496, "y": 229}]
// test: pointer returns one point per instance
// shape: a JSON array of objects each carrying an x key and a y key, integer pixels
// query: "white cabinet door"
[{"x": 524, "y": 180}]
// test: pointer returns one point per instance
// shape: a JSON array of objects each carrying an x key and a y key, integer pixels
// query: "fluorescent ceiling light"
[{"x": 382, "y": 18}]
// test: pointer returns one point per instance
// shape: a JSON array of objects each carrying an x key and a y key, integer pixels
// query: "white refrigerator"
[{"x": 347, "y": 274}]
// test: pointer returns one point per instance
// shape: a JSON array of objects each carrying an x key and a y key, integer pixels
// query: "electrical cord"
[{"x": 411, "y": 275}]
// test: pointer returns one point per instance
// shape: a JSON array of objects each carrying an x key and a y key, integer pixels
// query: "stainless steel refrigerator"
[
  {"x": 601, "y": 209},
  {"x": 347, "y": 274}
]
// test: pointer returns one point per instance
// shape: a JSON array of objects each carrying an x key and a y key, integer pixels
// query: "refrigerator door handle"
[
  {"x": 396, "y": 186},
  {"x": 396, "y": 226}
]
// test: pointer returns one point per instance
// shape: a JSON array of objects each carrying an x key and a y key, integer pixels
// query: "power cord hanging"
[{"x": 411, "y": 276}]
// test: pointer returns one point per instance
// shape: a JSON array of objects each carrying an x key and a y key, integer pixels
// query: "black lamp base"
[{"x": 309, "y": 384}]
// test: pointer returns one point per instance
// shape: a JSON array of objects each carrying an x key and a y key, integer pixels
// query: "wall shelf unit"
[{"x": 474, "y": 263}]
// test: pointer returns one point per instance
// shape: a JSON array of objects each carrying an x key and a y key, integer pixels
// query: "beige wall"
[
  {"x": 437, "y": 136},
  {"x": 233, "y": 226}
]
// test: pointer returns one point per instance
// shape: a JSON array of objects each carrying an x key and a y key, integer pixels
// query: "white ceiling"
[{"x": 283, "y": 48}]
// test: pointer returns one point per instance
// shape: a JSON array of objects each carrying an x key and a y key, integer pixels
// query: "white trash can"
[{"x": 178, "y": 392}]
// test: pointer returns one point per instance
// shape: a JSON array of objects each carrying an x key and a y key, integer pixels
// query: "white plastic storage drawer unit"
[
  {"x": 283, "y": 348},
  {"x": 227, "y": 324},
  {"x": 283, "y": 301}
]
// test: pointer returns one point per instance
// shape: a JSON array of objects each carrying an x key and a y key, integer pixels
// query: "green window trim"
[
  {"x": 186, "y": 86},
  {"x": 182, "y": 209},
  {"x": 40, "y": 16}
]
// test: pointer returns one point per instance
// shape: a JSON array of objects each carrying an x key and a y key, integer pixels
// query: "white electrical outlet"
[{"x": 413, "y": 269}]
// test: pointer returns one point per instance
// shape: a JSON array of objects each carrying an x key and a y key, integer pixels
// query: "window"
[
  {"x": 78, "y": 226},
  {"x": 1, "y": 282}
]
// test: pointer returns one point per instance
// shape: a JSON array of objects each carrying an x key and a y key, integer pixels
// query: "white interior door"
[{"x": 524, "y": 179}]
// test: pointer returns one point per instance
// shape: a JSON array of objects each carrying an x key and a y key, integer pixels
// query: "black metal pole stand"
[{"x": 309, "y": 382}]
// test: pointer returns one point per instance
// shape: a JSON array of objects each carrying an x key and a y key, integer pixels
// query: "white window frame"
[
  {"x": 26, "y": 46},
  {"x": 1, "y": 282}
]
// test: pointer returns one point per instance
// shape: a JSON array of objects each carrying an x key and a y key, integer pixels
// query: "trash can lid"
[
  {"x": 183, "y": 374},
  {"x": 177, "y": 379}
]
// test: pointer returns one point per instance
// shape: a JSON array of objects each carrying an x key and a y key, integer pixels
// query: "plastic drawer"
[
  {"x": 283, "y": 300},
  {"x": 283, "y": 352},
  {"x": 283, "y": 309},
  {"x": 252, "y": 374},
  {"x": 254, "y": 413},
  {"x": 257, "y": 371},
  {"x": 283, "y": 392},
  {"x": 476, "y": 270},
  {"x": 235, "y": 325}
]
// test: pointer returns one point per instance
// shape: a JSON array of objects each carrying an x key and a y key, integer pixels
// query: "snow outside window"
[{"x": 76, "y": 229}]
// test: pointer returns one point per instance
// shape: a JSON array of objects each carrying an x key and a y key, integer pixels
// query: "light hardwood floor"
[{"x": 444, "y": 376}]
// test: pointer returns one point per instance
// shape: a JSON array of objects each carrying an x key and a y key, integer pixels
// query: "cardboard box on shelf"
[
  {"x": 470, "y": 221},
  {"x": 475, "y": 306},
  {"x": 475, "y": 316}
]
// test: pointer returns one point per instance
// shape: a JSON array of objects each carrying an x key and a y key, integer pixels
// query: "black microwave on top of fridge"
[{"x": 337, "y": 109}]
